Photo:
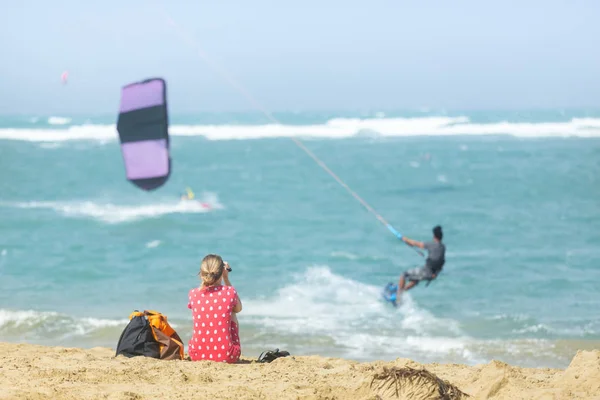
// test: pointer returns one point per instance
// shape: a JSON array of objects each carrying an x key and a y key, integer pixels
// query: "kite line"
[{"x": 223, "y": 73}]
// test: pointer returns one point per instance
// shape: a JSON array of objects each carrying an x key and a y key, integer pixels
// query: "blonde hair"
[{"x": 211, "y": 269}]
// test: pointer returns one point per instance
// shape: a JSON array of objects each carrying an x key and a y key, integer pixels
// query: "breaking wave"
[{"x": 336, "y": 128}]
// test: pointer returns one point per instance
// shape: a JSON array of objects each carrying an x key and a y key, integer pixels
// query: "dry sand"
[{"x": 38, "y": 372}]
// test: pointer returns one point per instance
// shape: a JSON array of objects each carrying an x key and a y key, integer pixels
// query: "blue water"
[{"x": 517, "y": 193}]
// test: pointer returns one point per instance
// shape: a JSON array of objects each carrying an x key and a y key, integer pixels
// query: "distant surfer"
[
  {"x": 433, "y": 264},
  {"x": 188, "y": 195}
]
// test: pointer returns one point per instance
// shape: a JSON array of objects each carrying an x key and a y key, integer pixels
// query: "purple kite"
[{"x": 143, "y": 127}]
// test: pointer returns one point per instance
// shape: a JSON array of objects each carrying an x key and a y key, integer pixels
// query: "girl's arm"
[{"x": 238, "y": 305}]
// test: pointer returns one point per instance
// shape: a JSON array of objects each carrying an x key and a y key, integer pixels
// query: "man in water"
[
  {"x": 188, "y": 195},
  {"x": 433, "y": 265}
]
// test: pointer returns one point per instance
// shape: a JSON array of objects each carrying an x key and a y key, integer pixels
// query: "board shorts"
[{"x": 418, "y": 274}]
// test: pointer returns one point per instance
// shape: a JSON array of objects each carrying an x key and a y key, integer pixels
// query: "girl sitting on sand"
[{"x": 214, "y": 305}]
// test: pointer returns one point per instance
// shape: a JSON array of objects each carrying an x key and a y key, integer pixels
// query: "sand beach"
[{"x": 30, "y": 371}]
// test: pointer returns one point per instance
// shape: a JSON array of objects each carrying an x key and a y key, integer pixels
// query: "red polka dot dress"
[{"x": 216, "y": 335}]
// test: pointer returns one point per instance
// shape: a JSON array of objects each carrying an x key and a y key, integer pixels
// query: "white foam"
[
  {"x": 353, "y": 316},
  {"x": 313, "y": 303},
  {"x": 533, "y": 329},
  {"x": 10, "y": 318},
  {"x": 422, "y": 322},
  {"x": 332, "y": 129},
  {"x": 321, "y": 308},
  {"x": 28, "y": 323},
  {"x": 421, "y": 347},
  {"x": 113, "y": 213},
  {"x": 77, "y": 132},
  {"x": 95, "y": 323},
  {"x": 351, "y": 256},
  {"x": 152, "y": 244},
  {"x": 50, "y": 145},
  {"x": 58, "y": 120},
  {"x": 344, "y": 254}
]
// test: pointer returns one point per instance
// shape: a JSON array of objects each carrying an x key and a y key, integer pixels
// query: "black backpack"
[{"x": 137, "y": 339}]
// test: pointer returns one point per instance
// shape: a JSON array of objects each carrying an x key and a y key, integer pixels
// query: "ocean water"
[{"x": 517, "y": 193}]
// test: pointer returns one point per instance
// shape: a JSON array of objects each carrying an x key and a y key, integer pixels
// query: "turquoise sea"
[{"x": 517, "y": 193}]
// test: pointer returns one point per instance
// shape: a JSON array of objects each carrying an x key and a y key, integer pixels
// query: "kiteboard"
[
  {"x": 190, "y": 197},
  {"x": 198, "y": 202},
  {"x": 389, "y": 293}
]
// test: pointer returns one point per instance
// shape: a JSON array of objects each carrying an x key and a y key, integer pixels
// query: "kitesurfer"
[
  {"x": 433, "y": 264},
  {"x": 188, "y": 195}
]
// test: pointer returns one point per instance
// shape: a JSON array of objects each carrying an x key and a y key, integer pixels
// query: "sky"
[{"x": 308, "y": 55}]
